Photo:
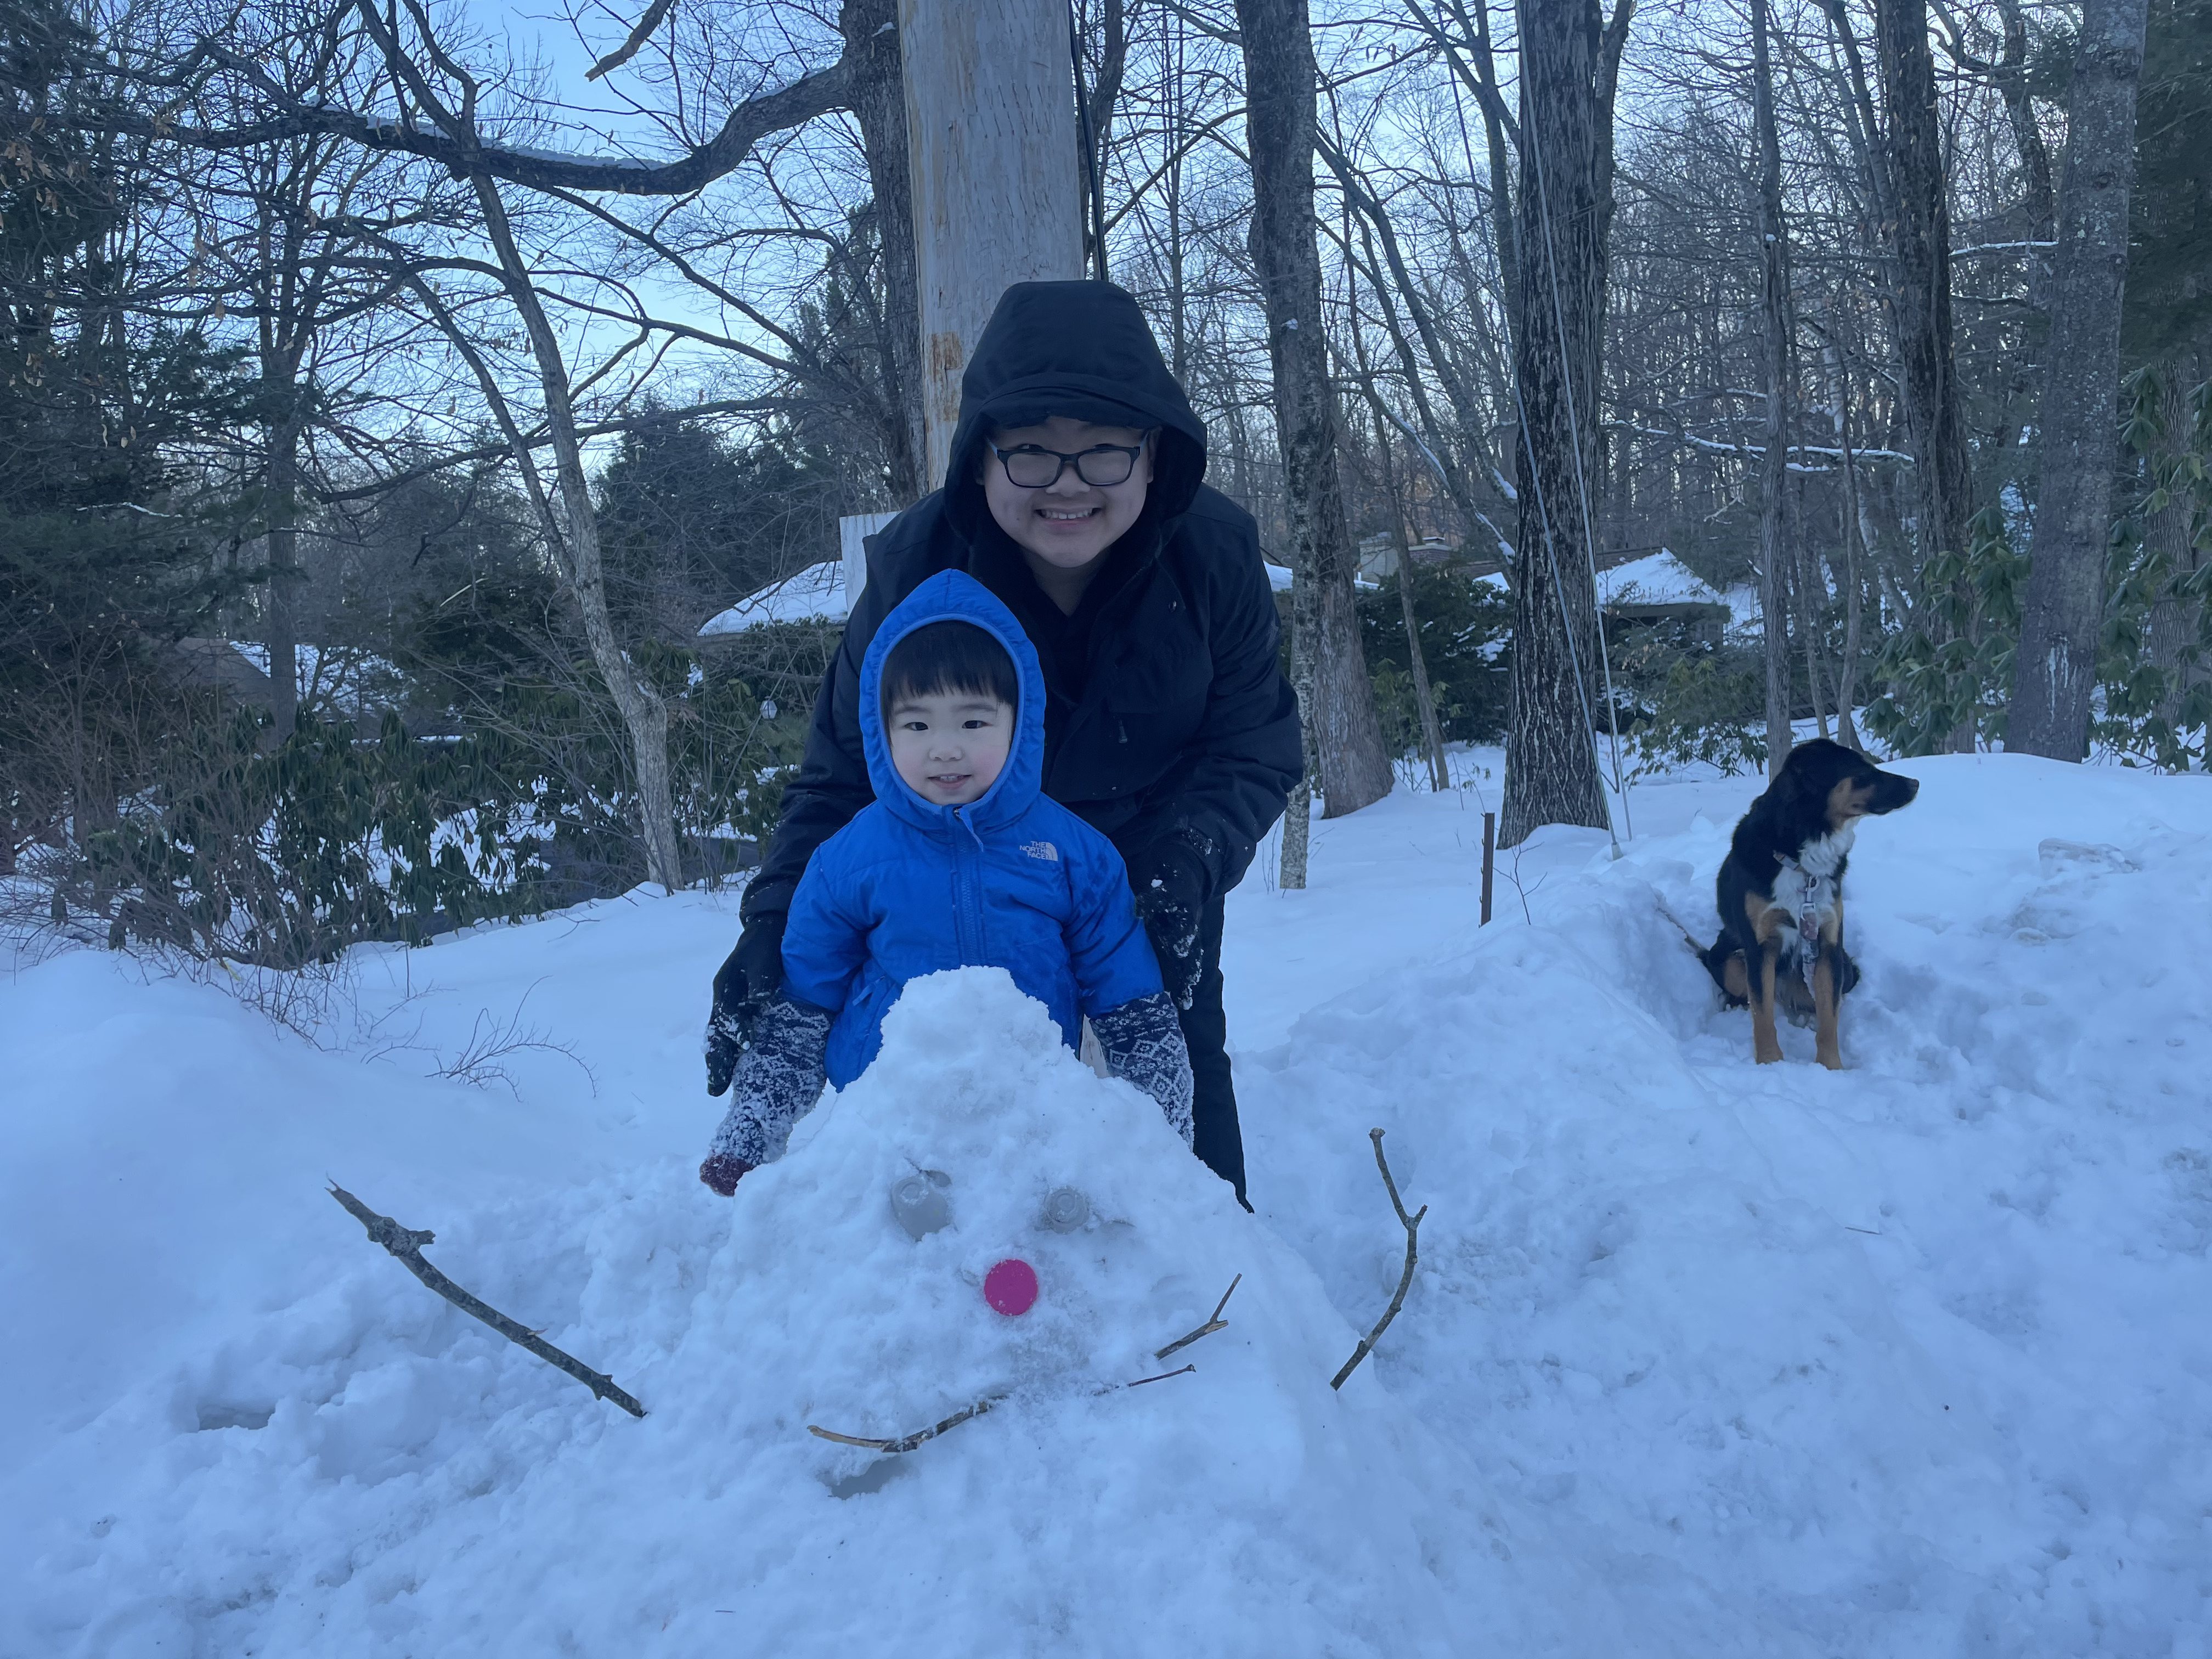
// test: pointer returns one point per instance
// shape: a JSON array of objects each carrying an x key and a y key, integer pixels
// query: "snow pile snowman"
[{"x": 981, "y": 1219}]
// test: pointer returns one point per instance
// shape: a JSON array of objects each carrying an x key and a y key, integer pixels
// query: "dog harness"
[
  {"x": 1812, "y": 901},
  {"x": 1812, "y": 878}
]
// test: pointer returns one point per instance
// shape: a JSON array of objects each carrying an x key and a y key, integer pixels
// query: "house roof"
[{"x": 815, "y": 594}]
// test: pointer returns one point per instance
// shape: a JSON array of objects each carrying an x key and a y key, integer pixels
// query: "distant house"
[
  {"x": 815, "y": 594},
  {"x": 216, "y": 665},
  {"x": 1378, "y": 554},
  {"x": 341, "y": 685},
  {"x": 1659, "y": 587},
  {"x": 821, "y": 592}
]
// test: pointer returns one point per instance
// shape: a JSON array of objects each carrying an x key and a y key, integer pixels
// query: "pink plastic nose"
[{"x": 1011, "y": 1286}]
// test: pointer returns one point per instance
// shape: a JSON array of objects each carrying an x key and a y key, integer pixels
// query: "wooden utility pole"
[{"x": 997, "y": 174}]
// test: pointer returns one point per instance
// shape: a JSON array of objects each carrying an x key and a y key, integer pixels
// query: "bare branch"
[
  {"x": 407, "y": 1242},
  {"x": 750, "y": 121},
  {"x": 906, "y": 1442},
  {"x": 628, "y": 49},
  {"x": 1412, "y": 1223},
  {"x": 1208, "y": 1328}
]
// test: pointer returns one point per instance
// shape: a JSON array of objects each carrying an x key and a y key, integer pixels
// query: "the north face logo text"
[{"x": 1043, "y": 849}]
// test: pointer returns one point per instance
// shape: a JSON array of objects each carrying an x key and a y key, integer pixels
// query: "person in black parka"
[{"x": 1169, "y": 725}]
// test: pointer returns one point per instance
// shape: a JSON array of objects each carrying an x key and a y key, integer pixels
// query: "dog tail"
[
  {"x": 1714, "y": 957},
  {"x": 1688, "y": 938}
]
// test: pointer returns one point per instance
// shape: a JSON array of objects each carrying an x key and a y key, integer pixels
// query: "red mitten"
[{"x": 722, "y": 1171}]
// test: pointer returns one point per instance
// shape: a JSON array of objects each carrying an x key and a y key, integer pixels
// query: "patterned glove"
[
  {"x": 1143, "y": 1043},
  {"x": 722, "y": 1172},
  {"x": 778, "y": 1079},
  {"x": 1169, "y": 887},
  {"x": 742, "y": 986}
]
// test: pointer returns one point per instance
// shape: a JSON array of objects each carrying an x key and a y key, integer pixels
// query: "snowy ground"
[{"x": 1702, "y": 1358}]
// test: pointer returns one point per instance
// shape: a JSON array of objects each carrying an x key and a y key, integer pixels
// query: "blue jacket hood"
[{"x": 955, "y": 596}]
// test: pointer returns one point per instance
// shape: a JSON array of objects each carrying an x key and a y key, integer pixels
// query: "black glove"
[
  {"x": 742, "y": 988},
  {"x": 1169, "y": 884}
]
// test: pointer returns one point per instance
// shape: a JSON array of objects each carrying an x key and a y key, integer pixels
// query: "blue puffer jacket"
[{"x": 1012, "y": 880}]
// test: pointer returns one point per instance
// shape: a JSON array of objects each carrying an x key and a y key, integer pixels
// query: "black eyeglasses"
[{"x": 1029, "y": 467}]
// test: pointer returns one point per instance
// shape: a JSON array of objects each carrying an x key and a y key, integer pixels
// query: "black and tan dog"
[{"x": 1781, "y": 894}]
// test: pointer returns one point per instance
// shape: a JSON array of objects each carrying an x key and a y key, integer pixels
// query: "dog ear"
[{"x": 1786, "y": 784}]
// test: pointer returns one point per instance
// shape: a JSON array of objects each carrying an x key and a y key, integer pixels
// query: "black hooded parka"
[{"x": 1167, "y": 721}]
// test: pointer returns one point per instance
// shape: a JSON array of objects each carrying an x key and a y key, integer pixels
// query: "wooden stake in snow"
[
  {"x": 1489, "y": 866},
  {"x": 407, "y": 1242},
  {"x": 1412, "y": 1223}
]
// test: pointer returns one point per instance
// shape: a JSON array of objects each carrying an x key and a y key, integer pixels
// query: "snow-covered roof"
[
  {"x": 1656, "y": 579},
  {"x": 815, "y": 594},
  {"x": 818, "y": 594}
]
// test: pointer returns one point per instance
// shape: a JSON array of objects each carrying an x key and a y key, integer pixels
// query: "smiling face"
[
  {"x": 1065, "y": 528},
  {"x": 949, "y": 747}
]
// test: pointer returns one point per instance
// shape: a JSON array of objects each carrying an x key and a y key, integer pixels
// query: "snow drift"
[
  {"x": 365, "y": 1470},
  {"x": 1703, "y": 1358}
]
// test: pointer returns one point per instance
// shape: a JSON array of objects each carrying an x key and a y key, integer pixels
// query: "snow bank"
[
  {"x": 354, "y": 1467},
  {"x": 1702, "y": 1358},
  {"x": 1909, "y": 1358}
]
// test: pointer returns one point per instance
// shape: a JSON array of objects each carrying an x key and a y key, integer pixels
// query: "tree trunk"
[
  {"x": 997, "y": 180},
  {"x": 2056, "y": 669},
  {"x": 1566, "y": 119},
  {"x": 1279, "y": 122},
  {"x": 2026, "y": 136},
  {"x": 1297, "y": 812},
  {"x": 1504, "y": 225},
  {"x": 281, "y": 513},
  {"x": 2173, "y": 633},
  {"x": 644, "y": 714},
  {"x": 1920, "y": 294},
  {"x": 1857, "y": 531},
  {"x": 879, "y": 101},
  {"x": 1432, "y": 732},
  {"x": 1425, "y": 703},
  {"x": 1773, "y": 293}
]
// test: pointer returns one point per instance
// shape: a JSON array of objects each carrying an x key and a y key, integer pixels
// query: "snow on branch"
[{"x": 1745, "y": 452}]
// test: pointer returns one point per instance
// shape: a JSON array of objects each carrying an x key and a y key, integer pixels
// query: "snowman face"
[{"x": 921, "y": 1204}]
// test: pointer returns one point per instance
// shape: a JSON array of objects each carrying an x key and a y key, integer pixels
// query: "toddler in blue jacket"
[{"x": 961, "y": 861}]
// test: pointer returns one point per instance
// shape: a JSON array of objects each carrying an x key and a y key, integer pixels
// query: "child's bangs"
[{"x": 947, "y": 658}]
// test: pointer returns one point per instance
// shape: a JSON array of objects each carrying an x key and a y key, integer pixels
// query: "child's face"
[{"x": 950, "y": 746}]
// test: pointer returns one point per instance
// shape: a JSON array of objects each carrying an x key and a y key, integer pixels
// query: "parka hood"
[
  {"x": 1081, "y": 350},
  {"x": 954, "y": 596}
]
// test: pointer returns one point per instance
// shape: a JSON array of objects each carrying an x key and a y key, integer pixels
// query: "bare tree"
[
  {"x": 1569, "y": 67},
  {"x": 2055, "y": 670},
  {"x": 1280, "y": 120},
  {"x": 1773, "y": 307},
  {"x": 1920, "y": 294}
]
